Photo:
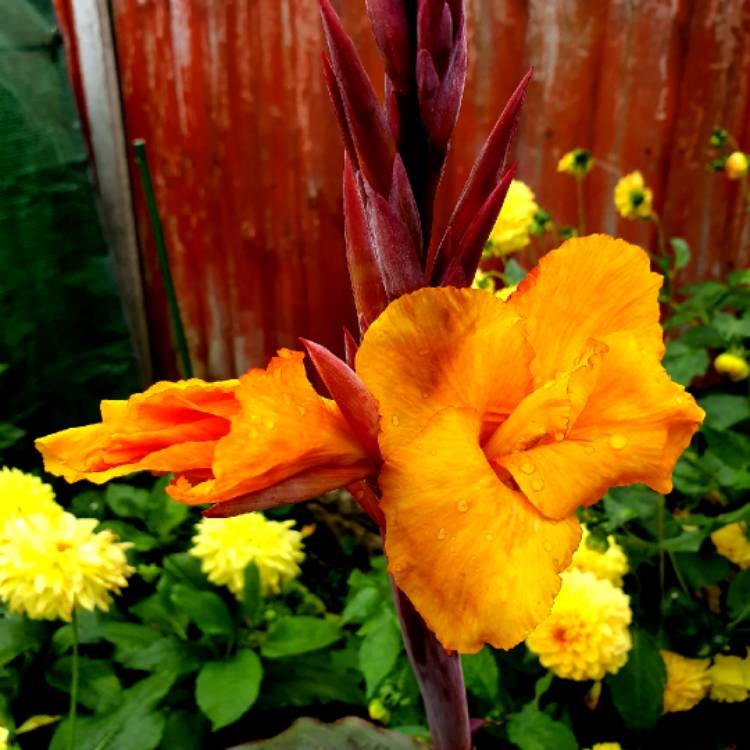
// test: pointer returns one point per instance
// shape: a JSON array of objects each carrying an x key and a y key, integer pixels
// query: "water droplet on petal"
[
  {"x": 537, "y": 484},
  {"x": 395, "y": 420},
  {"x": 528, "y": 468},
  {"x": 425, "y": 394},
  {"x": 441, "y": 533},
  {"x": 547, "y": 545},
  {"x": 488, "y": 537},
  {"x": 618, "y": 441},
  {"x": 589, "y": 449},
  {"x": 559, "y": 436},
  {"x": 462, "y": 506}
]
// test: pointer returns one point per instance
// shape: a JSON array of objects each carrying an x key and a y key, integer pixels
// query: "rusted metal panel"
[{"x": 247, "y": 160}]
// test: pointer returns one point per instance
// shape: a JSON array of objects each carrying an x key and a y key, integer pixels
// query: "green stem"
[
  {"x": 581, "y": 207},
  {"x": 141, "y": 160},
  {"x": 73, "y": 685}
]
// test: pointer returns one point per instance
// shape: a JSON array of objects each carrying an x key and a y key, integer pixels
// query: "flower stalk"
[{"x": 73, "y": 683}]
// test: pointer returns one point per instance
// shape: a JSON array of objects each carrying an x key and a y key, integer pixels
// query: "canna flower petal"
[
  {"x": 284, "y": 432},
  {"x": 477, "y": 560},
  {"x": 438, "y": 348},
  {"x": 171, "y": 427},
  {"x": 589, "y": 288}
]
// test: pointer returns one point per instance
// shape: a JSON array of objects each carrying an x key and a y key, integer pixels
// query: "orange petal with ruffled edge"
[
  {"x": 633, "y": 428},
  {"x": 589, "y": 288},
  {"x": 477, "y": 560},
  {"x": 170, "y": 427},
  {"x": 283, "y": 431},
  {"x": 437, "y": 348}
]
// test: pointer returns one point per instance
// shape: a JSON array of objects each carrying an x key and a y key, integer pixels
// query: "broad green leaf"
[
  {"x": 623, "y": 504},
  {"x": 297, "y": 635},
  {"x": 701, "y": 569},
  {"x": 126, "y": 501},
  {"x": 312, "y": 678},
  {"x": 481, "y": 674},
  {"x": 19, "y": 635},
  {"x": 10, "y": 435},
  {"x": 362, "y": 605},
  {"x": 128, "y": 637},
  {"x": 225, "y": 690},
  {"x": 532, "y": 729},
  {"x": 141, "y": 540},
  {"x": 252, "y": 597},
  {"x": 184, "y": 730},
  {"x": 164, "y": 514},
  {"x": 167, "y": 653},
  {"x": 186, "y": 568},
  {"x": 346, "y": 734},
  {"x": 638, "y": 688},
  {"x": 159, "y": 610},
  {"x": 688, "y": 541},
  {"x": 379, "y": 650},
  {"x": 99, "y": 687},
  {"x": 684, "y": 364},
  {"x": 205, "y": 608},
  {"x": 731, "y": 327},
  {"x": 733, "y": 447},
  {"x": 738, "y": 597},
  {"x": 724, "y": 410}
]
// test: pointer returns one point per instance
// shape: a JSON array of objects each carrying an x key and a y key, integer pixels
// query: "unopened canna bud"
[
  {"x": 736, "y": 165},
  {"x": 732, "y": 365}
]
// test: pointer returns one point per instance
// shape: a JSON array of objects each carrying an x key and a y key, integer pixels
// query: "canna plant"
[{"x": 469, "y": 428}]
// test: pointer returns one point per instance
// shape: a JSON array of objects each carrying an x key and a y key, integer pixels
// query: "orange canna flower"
[{"x": 497, "y": 421}]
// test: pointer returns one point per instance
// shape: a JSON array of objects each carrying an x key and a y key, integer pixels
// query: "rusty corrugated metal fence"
[{"x": 247, "y": 159}]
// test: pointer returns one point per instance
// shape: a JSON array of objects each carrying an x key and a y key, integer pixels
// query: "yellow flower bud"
[
  {"x": 378, "y": 711},
  {"x": 736, "y": 165},
  {"x": 633, "y": 200},
  {"x": 733, "y": 365},
  {"x": 577, "y": 162}
]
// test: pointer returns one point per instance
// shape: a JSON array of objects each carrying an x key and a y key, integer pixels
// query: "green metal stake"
[{"x": 141, "y": 160}]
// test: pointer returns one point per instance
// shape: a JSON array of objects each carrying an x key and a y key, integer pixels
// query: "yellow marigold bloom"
[
  {"x": 22, "y": 493},
  {"x": 736, "y": 165},
  {"x": 577, "y": 162},
  {"x": 226, "y": 546},
  {"x": 50, "y": 565},
  {"x": 731, "y": 542},
  {"x": 512, "y": 228},
  {"x": 586, "y": 636},
  {"x": 687, "y": 681},
  {"x": 733, "y": 365},
  {"x": 610, "y": 565},
  {"x": 730, "y": 679},
  {"x": 633, "y": 199}
]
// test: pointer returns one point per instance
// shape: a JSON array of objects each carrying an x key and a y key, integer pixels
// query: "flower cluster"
[
  {"x": 226, "y": 546},
  {"x": 610, "y": 564},
  {"x": 52, "y": 563},
  {"x": 512, "y": 229},
  {"x": 687, "y": 681}
]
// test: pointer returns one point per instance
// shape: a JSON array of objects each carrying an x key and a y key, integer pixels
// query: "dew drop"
[
  {"x": 462, "y": 506},
  {"x": 618, "y": 441},
  {"x": 395, "y": 420},
  {"x": 425, "y": 394},
  {"x": 441, "y": 533},
  {"x": 537, "y": 484},
  {"x": 488, "y": 537},
  {"x": 589, "y": 449},
  {"x": 559, "y": 436},
  {"x": 547, "y": 545},
  {"x": 528, "y": 468}
]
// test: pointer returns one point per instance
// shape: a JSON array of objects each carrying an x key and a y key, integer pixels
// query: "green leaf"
[
  {"x": 481, "y": 674},
  {"x": 638, "y": 688},
  {"x": 168, "y": 653},
  {"x": 297, "y": 635},
  {"x": 514, "y": 272},
  {"x": 252, "y": 598},
  {"x": 738, "y": 597},
  {"x": 99, "y": 687},
  {"x": 10, "y": 435},
  {"x": 702, "y": 569},
  {"x": 127, "y": 532},
  {"x": 346, "y": 734},
  {"x": 128, "y": 637},
  {"x": 532, "y": 729},
  {"x": 19, "y": 635},
  {"x": 362, "y": 605},
  {"x": 724, "y": 410},
  {"x": 225, "y": 690},
  {"x": 186, "y": 568},
  {"x": 688, "y": 541},
  {"x": 205, "y": 608},
  {"x": 623, "y": 504},
  {"x": 164, "y": 514},
  {"x": 184, "y": 730},
  {"x": 126, "y": 501},
  {"x": 681, "y": 252},
  {"x": 731, "y": 327},
  {"x": 379, "y": 651},
  {"x": 684, "y": 364}
]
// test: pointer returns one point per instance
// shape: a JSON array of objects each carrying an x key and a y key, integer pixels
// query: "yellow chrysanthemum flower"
[
  {"x": 513, "y": 226},
  {"x": 736, "y": 165},
  {"x": 586, "y": 635},
  {"x": 22, "y": 493},
  {"x": 731, "y": 542},
  {"x": 730, "y": 679},
  {"x": 610, "y": 565},
  {"x": 226, "y": 546},
  {"x": 606, "y": 746},
  {"x": 687, "y": 681},
  {"x": 577, "y": 162},
  {"x": 633, "y": 199},
  {"x": 733, "y": 365},
  {"x": 50, "y": 565}
]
